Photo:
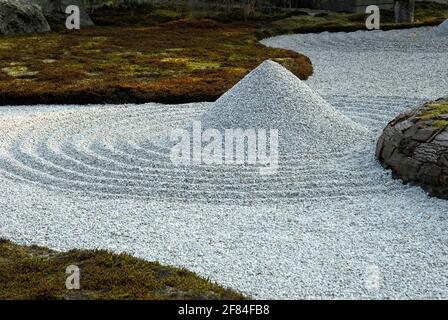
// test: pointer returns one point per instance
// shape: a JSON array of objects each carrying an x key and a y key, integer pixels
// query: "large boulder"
[
  {"x": 54, "y": 11},
  {"x": 415, "y": 147},
  {"x": 21, "y": 16}
]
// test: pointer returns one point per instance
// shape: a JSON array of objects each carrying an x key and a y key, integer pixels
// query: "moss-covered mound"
[
  {"x": 415, "y": 147},
  {"x": 38, "y": 273},
  {"x": 173, "y": 62}
]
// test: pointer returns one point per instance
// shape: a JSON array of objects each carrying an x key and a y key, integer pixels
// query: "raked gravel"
[{"x": 97, "y": 177}]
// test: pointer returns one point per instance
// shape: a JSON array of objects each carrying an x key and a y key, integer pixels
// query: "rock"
[
  {"x": 20, "y": 16},
  {"x": 423, "y": 134},
  {"x": 429, "y": 174},
  {"x": 408, "y": 169},
  {"x": 429, "y": 152},
  {"x": 443, "y": 161},
  {"x": 416, "y": 150},
  {"x": 54, "y": 11}
]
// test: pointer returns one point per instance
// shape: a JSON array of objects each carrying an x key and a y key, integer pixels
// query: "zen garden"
[{"x": 223, "y": 150}]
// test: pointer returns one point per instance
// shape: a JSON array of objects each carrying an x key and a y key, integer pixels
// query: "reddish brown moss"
[{"x": 175, "y": 62}]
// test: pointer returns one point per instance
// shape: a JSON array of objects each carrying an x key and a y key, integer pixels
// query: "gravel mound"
[
  {"x": 271, "y": 97},
  {"x": 442, "y": 29}
]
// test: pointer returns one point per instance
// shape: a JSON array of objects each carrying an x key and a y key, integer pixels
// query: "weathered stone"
[
  {"x": 402, "y": 126},
  {"x": 443, "y": 180},
  {"x": 443, "y": 136},
  {"x": 379, "y": 147},
  {"x": 395, "y": 159},
  {"x": 429, "y": 174},
  {"x": 396, "y": 139},
  {"x": 408, "y": 169},
  {"x": 388, "y": 150},
  {"x": 20, "y": 16},
  {"x": 54, "y": 11},
  {"x": 416, "y": 151},
  {"x": 408, "y": 146},
  {"x": 428, "y": 152},
  {"x": 389, "y": 132},
  {"x": 443, "y": 160},
  {"x": 409, "y": 133},
  {"x": 424, "y": 134}
]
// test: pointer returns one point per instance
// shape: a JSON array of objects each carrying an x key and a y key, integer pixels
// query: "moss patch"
[
  {"x": 38, "y": 273},
  {"x": 162, "y": 55},
  {"x": 18, "y": 71},
  {"x": 173, "y": 62},
  {"x": 440, "y": 123},
  {"x": 437, "y": 112}
]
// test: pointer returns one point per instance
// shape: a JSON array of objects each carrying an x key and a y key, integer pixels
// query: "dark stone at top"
[
  {"x": 20, "y": 16},
  {"x": 54, "y": 11}
]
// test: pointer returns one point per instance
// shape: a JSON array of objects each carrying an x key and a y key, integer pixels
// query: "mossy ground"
[
  {"x": 38, "y": 273},
  {"x": 160, "y": 55},
  {"x": 425, "y": 14},
  {"x": 172, "y": 62},
  {"x": 437, "y": 112}
]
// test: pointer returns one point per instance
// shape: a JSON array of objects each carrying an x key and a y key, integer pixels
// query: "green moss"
[
  {"x": 430, "y": 11},
  {"x": 440, "y": 123},
  {"x": 175, "y": 60},
  {"x": 181, "y": 61},
  {"x": 173, "y": 14},
  {"x": 433, "y": 110},
  {"x": 19, "y": 71},
  {"x": 49, "y": 60},
  {"x": 5, "y": 45},
  {"x": 38, "y": 273},
  {"x": 202, "y": 65}
]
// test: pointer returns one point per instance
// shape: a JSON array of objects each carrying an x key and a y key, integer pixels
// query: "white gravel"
[
  {"x": 96, "y": 177},
  {"x": 442, "y": 29},
  {"x": 271, "y": 97}
]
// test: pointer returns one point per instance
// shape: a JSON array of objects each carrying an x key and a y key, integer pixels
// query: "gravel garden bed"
[{"x": 328, "y": 225}]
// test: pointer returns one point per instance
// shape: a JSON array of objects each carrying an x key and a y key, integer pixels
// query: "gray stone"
[
  {"x": 408, "y": 146},
  {"x": 408, "y": 169},
  {"x": 423, "y": 134},
  {"x": 405, "y": 125},
  {"x": 20, "y": 16},
  {"x": 416, "y": 152},
  {"x": 54, "y": 11},
  {"x": 388, "y": 150},
  {"x": 443, "y": 136},
  {"x": 443, "y": 161},
  {"x": 443, "y": 180},
  {"x": 395, "y": 160},
  {"x": 428, "y": 152},
  {"x": 429, "y": 174}
]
